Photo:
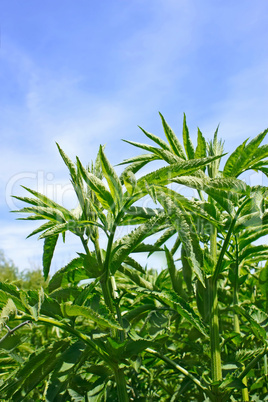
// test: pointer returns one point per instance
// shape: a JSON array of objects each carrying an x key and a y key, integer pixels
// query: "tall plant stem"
[
  {"x": 245, "y": 393},
  {"x": 121, "y": 385},
  {"x": 216, "y": 370},
  {"x": 106, "y": 291}
]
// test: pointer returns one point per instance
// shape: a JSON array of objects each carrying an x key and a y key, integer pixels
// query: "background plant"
[{"x": 195, "y": 330}]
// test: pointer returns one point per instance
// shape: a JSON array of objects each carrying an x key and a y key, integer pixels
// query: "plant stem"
[
  {"x": 245, "y": 393},
  {"x": 11, "y": 331},
  {"x": 121, "y": 385},
  {"x": 216, "y": 370},
  {"x": 183, "y": 371}
]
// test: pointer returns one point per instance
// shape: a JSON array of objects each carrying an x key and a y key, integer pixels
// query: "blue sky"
[{"x": 88, "y": 72}]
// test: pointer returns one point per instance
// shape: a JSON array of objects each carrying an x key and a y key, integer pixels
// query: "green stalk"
[
  {"x": 216, "y": 370},
  {"x": 245, "y": 393},
  {"x": 104, "y": 279},
  {"x": 183, "y": 371},
  {"x": 121, "y": 385}
]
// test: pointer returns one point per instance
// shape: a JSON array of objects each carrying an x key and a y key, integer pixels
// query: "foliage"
[{"x": 108, "y": 329}]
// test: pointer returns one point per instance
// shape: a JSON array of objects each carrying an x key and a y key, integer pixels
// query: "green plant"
[{"x": 136, "y": 334}]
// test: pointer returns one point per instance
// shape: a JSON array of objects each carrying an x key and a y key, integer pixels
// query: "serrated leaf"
[
  {"x": 188, "y": 145},
  {"x": 183, "y": 308},
  {"x": 263, "y": 282},
  {"x": 128, "y": 243},
  {"x": 136, "y": 215},
  {"x": 175, "y": 144},
  {"x": 48, "y": 202},
  {"x": 182, "y": 222},
  {"x": 156, "y": 139},
  {"x": 102, "y": 194},
  {"x": 72, "y": 310},
  {"x": 135, "y": 277},
  {"x": 49, "y": 247},
  {"x": 68, "y": 163},
  {"x": 172, "y": 271},
  {"x": 186, "y": 269},
  {"x": 112, "y": 179},
  {"x": 164, "y": 175},
  {"x": 164, "y": 154},
  {"x": 33, "y": 372},
  {"x": 242, "y": 158},
  {"x": 41, "y": 228},
  {"x": 7, "y": 311},
  {"x": 51, "y": 214},
  {"x": 73, "y": 272},
  {"x": 145, "y": 158},
  {"x": 201, "y": 148}
]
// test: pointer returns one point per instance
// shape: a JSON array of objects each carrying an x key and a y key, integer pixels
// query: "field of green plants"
[{"x": 106, "y": 328}]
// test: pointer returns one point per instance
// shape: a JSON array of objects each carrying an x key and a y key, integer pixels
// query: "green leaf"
[
  {"x": 201, "y": 148},
  {"x": 41, "y": 228},
  {"x": 145, "y": 158},
  {"x": 64, "y": 372},
  {"x": 250, "y": 314},
  {"x": 136, "y": 215},
  {"x": 173, "y": 272},
  {"x": 186, "y": 269},
  {"x": 127, "y": 244},
  {"x": 68, "y": 163},
  {"x": 9, "y": 310},
  {"x": 166, "y": 155},
  {"x": 252, "y": 234},
  {"x": 112, "y": 179},
  {"x": 172, "y": 139},
  {"x": 129, "y": 181},
  {"x": 182, "y": 222},
  {"x": 73, "y": 272},
  {"x": 47, "y": 202},
  {"x": 243, "y": 157},
  {"x": 135, "y": 277},
  {"x": 102, "y": 194},
  {"x": 230, "y": 165},
  {"x": 183, "y": 308},
  {"x": 157, "y": 140},
  {"x": 165, "y": 237},
  {"x": 44, "y": 213},
  {"x": 263, "y": 282},
  {"x": 49, "y": 247},
  {"x": 72, "y": 310},
  {"x": 188, "y": 145},
  {"x": 164, "y": 175},
  {"x": 34, "y": 371}
]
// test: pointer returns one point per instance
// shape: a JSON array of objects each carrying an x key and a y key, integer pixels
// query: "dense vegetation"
[{"x": 108, "y": 329}]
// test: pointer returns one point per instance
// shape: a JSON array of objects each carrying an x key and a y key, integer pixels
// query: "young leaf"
[
  {"x": 72, "y": 310},
  {"x": 68, "y": 163},
  {"x": 157, "y": 140},
  {"x": 188, "y": 145},
  {"x": 49, "y": 247},
  {"x": 73, "y": 272},
  {"x": 8, "y": 310},
  {"x": 201, "y": 148},
  {"x": 102, "y": 194},
  {"x": 112, "y": 179},
  {"x": 175, "y": 144},
  {"x": 183, "y": 308},
  {"x": 243, "y": 157},
  {"x": 182, "y": 222},
  {"x": 172, "y": 272}
]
